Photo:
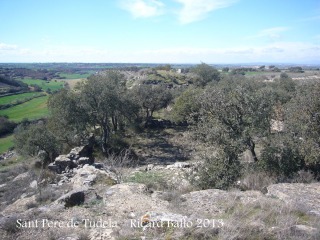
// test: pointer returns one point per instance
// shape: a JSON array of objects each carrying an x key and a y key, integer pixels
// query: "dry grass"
[
  {"x": 266, "y": 219},
  {"x": 256, "y": 181}
]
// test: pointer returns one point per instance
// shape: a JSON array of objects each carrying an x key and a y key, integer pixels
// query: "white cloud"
[
  {"x": 195, "y": 10},
  {"x": 143, "y": 8},
  {"x": 270, "y": 33},
  {"x": 7, "y": 47}
]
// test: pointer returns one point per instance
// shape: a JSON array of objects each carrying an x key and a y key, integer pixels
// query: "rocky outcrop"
[
  {"x": 62, "y": 163},
  {"x": 78, "y": 156},
  {"x": 81, "y": 152},
  {"x": 138, "y": 212},
  {"x": 306, "y": 196},
  {"x": 212, "y": 201},
  {"x": 89, "y": 175},
  {"x": 7, "y": 155}
]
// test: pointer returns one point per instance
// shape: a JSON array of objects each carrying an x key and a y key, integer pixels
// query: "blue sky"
[{"x": 160, "y": 31}]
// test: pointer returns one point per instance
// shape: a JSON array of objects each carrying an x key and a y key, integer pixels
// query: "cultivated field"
[
  {"x": 17, "y": 97},
  {"x": 74, "y": 75},
  {"x": 6, "y": 143},
  {"x": 44, "y": 85},
  {"x": 33, "y": 109}
]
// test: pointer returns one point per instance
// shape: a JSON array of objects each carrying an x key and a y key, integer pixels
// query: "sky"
[{"x": 160, "y": 31}]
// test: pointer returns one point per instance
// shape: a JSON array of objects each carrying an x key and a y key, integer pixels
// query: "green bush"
[
  {"x": 281, "y": 159},
  {"x": 6, "y": 126},
  {"x": 153, "y": 180},
  {"x": 218, "y": 171}
]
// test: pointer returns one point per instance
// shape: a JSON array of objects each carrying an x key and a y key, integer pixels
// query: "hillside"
[
  {"x": 153, "y": 199},
  {"x": 160, "y": 153}
]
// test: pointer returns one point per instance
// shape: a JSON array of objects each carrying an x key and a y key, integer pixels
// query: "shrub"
[
  {"x": 6, "y": 126},
  {"x": 153, "y": 180},
  {"x": 218, "y": 171},
  {"x": 46, "y": 195},
  {"x": 303, "y": 176},
  {"x": 281, "y": 159},
  {"x": 254, "y": 179}
]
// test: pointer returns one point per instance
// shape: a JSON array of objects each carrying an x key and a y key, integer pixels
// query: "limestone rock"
[
  {"x": 306, "y": 196},
  {"x": 79, "y": 152},
  {"x": 132, "y": 197},
  {"x": 98, "y": 165},
  {"x": 34, "y": 184},
  {"x": 212, "y": 201},
  {"x": 179, "y": 165},
  {"x": 88, "y": 174},
  {"x": 84, "y": 160},
  {"x": 21, "y": 176},
  {"x": 53, "y": 167},
  {"x": 61, "y": 163},
  {"x": 19, "y": 206}
]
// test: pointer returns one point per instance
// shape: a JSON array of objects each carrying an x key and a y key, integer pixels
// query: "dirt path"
[{"x": 163, "y": 146}]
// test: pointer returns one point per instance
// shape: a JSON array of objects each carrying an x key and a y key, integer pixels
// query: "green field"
[
  {"x": 45, "y": 85},
  {"x": 13, "y": 98},
  {"x": 74, "y": 75},
  {"x": 33, "y": 109},
  {"x": 6, "y": 143},
  {"x": 254, "y": 73}
]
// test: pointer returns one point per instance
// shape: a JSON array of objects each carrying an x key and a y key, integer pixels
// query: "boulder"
[
  {"x": 179, "y": 165},
  {"x": 98, "y": 165},
  {"x": 53, "y": 167},
  {"x": 34, "y": 184},
  {"x": 88, "y": 175},
  {"x": 84, "y": 160},
  {"x": 80, "y": 152},
  {"x": 61, "y": 163}
]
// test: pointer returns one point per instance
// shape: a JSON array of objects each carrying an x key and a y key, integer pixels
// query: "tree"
[
  {"x": 102, "y": 98},
  {"x": 151, "y": 98},
  {"x": 6, "y": 126},
  {"x": 34, "y": 138},
  {"x": 99, "y": 104},
  {"x": 205, "y": 74},
  {"x": 302, "y": 118},
  {"x": 280, "y": 156},
  {"x": 225, "y": 69},
  {"x": 68, "y": 118},
  {"x": 235, "y": 115},
  {"x": 186, "y": 106},
  {"x": 263, "y": 67},
  {"x": 218, "y": 171}
]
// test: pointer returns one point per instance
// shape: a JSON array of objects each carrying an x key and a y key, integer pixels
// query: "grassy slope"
[
  {"x": 6, "y": 143},
  {"x": 12, "y": 98},
  {"x": 74, "y": 75},
  {"x": 36, "y": 108},
  {"x": 44, "y": 84}
]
